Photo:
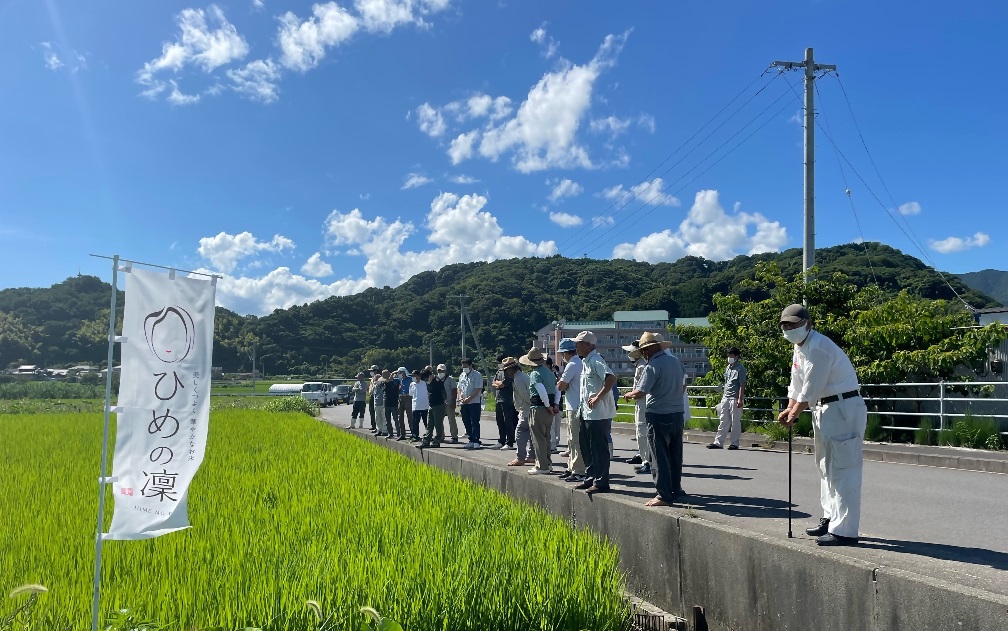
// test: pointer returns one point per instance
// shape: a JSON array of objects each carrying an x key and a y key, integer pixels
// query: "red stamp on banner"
[{"x": 125, "y": 491}]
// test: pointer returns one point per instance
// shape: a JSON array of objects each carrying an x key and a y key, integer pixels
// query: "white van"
[{"x": 318, "y": 391}]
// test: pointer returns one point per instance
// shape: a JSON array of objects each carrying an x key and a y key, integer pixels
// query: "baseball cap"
[{"x": 794, "y": 313}]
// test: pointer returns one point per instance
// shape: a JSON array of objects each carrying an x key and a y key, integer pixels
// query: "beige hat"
[
  {"x": 509, "y": 362},
  {"x": 586, "y": 336},
  {"x": 532, "y": 358},
  {"x": 442, "y": 367},
  {"x": 650, "y": 339}
]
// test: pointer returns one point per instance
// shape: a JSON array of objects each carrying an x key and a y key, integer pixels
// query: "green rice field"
[{"x": 287, "y": 509}]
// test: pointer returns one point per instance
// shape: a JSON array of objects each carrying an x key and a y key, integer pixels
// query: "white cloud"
[
  {"x": 175, "y": 97},
  {"x": 647, "y": 121},
  {"x": 257, "y": 80},
  {"x": 430, "y": 120},
  {"x": 258, "y": 5},
  {"x": 414, "y": 180},
  {"x": 198, "y": 45},
  {"x": 598, "y": 222},
  {"x": 463, "y": 179},
  {"x": 384, "y": 15},
  {"x": 548, "y": 44},
  {"x": 565, "y": 220},
  {"x": 955, "y": 244},
  {"x": 304, "y": 44},
  {"x": 52, "y": 60},
  {"x": 708, "y": 231},
  {"x": 279, "y": 289},
  {"x": 645, "y": 192},
  {"x": 462, "y": 147},
  {"x": 316, "y": 267},
  {"x": 225, "y": 250},
  {"x": 611, "y": 124},
  {"x": 565, "y": 188},
  {"x": 910, "y": 208}
]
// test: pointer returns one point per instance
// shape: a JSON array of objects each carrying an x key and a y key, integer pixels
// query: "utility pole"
[
  {"x": 461, "y": 319},
  {"x": 253, "y": 367},
  {"x": 810, "y": 67}
]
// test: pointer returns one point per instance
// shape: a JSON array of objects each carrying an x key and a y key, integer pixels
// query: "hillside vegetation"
[
  {"x": 992, "y": 282},
  {"x": 508, "y": 301}
]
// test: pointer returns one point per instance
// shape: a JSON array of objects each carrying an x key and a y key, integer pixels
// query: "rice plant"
[{"x": 285, "y": 510}]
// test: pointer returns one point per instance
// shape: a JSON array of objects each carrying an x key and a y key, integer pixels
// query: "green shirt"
[{"x": 545, "y": 376}]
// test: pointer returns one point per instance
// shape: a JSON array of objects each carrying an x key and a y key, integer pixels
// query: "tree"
[{"x": 19, "y": 342}]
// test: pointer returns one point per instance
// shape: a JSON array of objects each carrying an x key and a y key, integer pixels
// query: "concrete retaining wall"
[{"x": 743, "y": 581}]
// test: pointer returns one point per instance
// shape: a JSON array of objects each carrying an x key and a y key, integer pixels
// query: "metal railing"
[{"x": 945, "y": 400}]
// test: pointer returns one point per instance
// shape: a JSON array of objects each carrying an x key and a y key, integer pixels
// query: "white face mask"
[
  {"x": 467, "y": 370},
  {"x": 796, "y": 336},
  {"x": 441, "y": 375},
  {"x": 731, "y": 361}
]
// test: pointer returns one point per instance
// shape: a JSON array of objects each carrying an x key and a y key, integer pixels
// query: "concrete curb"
[{"x": 742, "y": 580}]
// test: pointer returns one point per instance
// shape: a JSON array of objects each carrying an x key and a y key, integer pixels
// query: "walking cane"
[{"x": 789, "y": 483}]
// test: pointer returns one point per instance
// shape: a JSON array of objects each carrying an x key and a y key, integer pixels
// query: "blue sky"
[{"x": 306, "y": 150}]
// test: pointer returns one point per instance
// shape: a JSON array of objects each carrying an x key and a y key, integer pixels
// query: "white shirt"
[
  {"x": 638, "y": 377},
  {"x": 421, "y": 400},
  {"x": 572, "y": 377},
  {"x": 593, "y": 376},
  {"x": 468, "y": 384},
  {"x": 820, "y": 368}
]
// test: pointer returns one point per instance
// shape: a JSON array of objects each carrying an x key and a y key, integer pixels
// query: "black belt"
[{"x": 837, "y": 397}]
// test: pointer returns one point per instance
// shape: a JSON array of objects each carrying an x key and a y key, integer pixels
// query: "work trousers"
[
  {"x": 523, "y": 436},
  {"x": 541, "y": 424},
  {"x": 404, "y": 413},
  {"x": 370, "y": 406},
  {"x": 595, "y": 449},
  {"x": 507, "y": 422},
  {"x": 380, "y": 414},
  {"x": 417, "y": 416},
  {"x": 471, "y": 421},
  {"x": 731, "y": 420},
  {"x": 452, "y": 425},
  {"x": 839, "y": 439},
  {"x": 555, "y": 431},
  {"x": 665, "y": 431},
  {"x": 576, "y": 461},
  {"x": 435, "y": 425},
  {"x": 640, "y": 425},
  {"x": 390, "y": 420}
]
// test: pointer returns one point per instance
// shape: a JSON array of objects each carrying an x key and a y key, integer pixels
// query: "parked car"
[
  {"x": 343, "y": 394},
  {"x": 318, "y": 391}
]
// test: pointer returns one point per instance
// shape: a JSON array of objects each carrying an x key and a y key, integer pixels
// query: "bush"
[
  {"x": 925, "y": 434},
  {"x": 51, "y": 390},
  {"x": 874, "y": 431},
  {"x": 295, "y": 403}
]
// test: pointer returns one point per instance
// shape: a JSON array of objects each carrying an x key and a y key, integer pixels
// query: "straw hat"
[
  {"x": 650, "y": 339},
  {"x": 508, "y": 363},
  {"x": 532, "y": 358}
]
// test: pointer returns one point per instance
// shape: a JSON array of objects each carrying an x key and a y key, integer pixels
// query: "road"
[{"x": 947, "y": 524}]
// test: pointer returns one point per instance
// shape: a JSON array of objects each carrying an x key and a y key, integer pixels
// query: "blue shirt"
[{"x": 663, "y": 383}]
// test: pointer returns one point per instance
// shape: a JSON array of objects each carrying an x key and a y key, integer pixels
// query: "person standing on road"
[
  {"x": 436, "y": 396},
  {"x": 507, "y": 415},
  {"x": 404, "y": 410},
  {"x": 558, "y": 417},
  {"x": 360, "y": 391},
  {"x": 643, "y": 457},
  {"x": 420, "y": 403},
  {"x": 543, "y": 395},
  {"x": 570, "y": 386},
  {"x": 378, "y": 390},
  {"x": 661, "y": 385},
  {"x": 470, "y": 391},
  {"x": 451, "y": 399},
  {"x": 823, "y": 379},
  {"x": 523, "y": 405},
  {"x": 730, "y": 408},
  {"x": 392, "y": 385},
  {"x": 371, "y": 398},
  {"x": 597, "y": 409}
]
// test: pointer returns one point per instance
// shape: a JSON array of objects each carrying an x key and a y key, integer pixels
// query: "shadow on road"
[
  {"x": 714, "y": 466},
  {"x": 974, "y": 556}
]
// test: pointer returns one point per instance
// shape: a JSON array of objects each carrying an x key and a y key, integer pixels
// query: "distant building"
[
  {"x": 624, "y": 328},
  {"x": 998, "y": 364}
]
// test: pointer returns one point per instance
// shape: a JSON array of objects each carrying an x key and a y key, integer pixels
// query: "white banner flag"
[{"x": 164, "y": 402}]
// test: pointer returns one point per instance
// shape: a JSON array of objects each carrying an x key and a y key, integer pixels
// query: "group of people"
[{"x": 531, "y": 394}]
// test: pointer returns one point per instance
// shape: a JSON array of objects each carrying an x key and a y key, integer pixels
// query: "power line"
[
  {"x": 616, "y": 203},
  {"x": 612, "y": 234}
]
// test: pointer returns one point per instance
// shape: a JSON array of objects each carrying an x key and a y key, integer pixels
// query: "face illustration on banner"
[{"x": 170, "y": 334}]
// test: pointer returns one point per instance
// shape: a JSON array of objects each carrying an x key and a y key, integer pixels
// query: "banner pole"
[
  {"x": 104, "y": 455},
  {"x": 789, "y": 504}
]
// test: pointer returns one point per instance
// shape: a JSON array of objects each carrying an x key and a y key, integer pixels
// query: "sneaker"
[
  {"x": 502, "y": 446},
  {"x": 566, "y": 474},
  {"x": 713, "y": 446},
  {"x": 454, "y": 440},
  {"x": 554, "y": 451},
  {"x": 538, "y": 471},
  {"x": 585, "y": 485},
  {"x": 423, "y": 445},
  {"x": 477, "y": 446},
  {"x": 577, "y": 477},
  {"x": 635, "y": 460},
  {"x": 829, "y": 539},
  {"x": 732, "y": 447},
  {"x": 564, "y": 454},
  {"x": 644, "y": 469},
  {"x": 469, "y": 446}
]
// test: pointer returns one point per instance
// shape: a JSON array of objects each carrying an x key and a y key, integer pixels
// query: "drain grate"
[{"x": 646, "y": 617}]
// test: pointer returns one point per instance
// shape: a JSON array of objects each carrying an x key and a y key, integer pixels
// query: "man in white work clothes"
[{"x": 823, "y": 380}]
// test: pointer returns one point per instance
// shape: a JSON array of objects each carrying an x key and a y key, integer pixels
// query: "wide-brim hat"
[
  {"x": 650, "y": 339},
  {"x": 508, "y": 363},
  {"x": 532, "y": 358},
  {"x": 361, "y": 375}
]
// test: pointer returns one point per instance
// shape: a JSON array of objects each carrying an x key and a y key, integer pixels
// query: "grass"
[{"x": 284, "y": 510}]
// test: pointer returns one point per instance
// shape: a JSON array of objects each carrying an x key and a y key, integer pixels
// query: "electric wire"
[
  {"x": 847, "y": 190},
  {"x": 600, "y": 220},
  {"x": 627, "y": 223},
  {"x": 884, "y": 207}
]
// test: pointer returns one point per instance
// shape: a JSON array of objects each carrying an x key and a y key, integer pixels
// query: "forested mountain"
[
  {"x": 992, "y": 282},
  {"x": 508, "y": 301}
]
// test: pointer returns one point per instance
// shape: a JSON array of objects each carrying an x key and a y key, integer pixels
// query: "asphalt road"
[{"x": 947, "y": 524}]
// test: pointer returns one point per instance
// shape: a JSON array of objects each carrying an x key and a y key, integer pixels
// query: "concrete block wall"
[{"x": 744, "y": 581}]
